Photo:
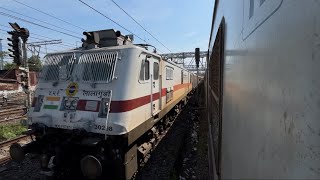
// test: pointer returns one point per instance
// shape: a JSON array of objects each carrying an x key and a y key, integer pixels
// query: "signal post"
[{"x": 19, "y": 55}]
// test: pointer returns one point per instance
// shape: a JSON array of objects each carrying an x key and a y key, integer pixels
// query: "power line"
[
  {"x": 140, "y": 25},
  {"x": 4, "y": 26},
  {"x": 49, "y": 15},
  {"x": 63, "y": 44},
  {"x": 42, "y": 52},
  {"x": 112, "y": 20},
  {"x": 14, "y": 17},
  {"x": 49, "y": 38},
  {"x": 38, "y": 20}
]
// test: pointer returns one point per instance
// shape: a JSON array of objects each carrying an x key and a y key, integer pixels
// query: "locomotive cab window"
[
  {"x": 144, "y": 72},
  {"x": 155, "y": 71}
]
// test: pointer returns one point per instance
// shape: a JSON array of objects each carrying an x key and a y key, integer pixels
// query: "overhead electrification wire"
[
  {"x": 39, "y": 20},
  {"x": 31, "y": 33},
  {"x": 62, "y": 44},
  {"x": 41, "y": 51},
  {"x": 112, "y": 20},
  {"x": 4, "y": 26},
  {"x": 14, "y": 17},
  {"x": 49, "y": 15},
  {"x": 140, "y": 25},
  {"x": 49, "y": 38}
]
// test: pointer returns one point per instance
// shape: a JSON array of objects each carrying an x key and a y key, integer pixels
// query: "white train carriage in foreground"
[{"x": 94, "y": 106}]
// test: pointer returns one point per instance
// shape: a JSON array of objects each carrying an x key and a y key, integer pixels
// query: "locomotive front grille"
[
  {"x": 98, "y": 66},
  {"x": 58, "y": 67}
]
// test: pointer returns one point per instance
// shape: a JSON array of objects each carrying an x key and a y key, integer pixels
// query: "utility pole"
[
  {"x": 34, "y": 50},
  {"x": 19, "y": 54},
  {"x": 197, "y": 58},
  {"x": 45, "y": 43},
  {"x": 1, "y": 58}
]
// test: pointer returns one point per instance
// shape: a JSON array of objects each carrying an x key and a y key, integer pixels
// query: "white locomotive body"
[{"x": 105, "y": 98}]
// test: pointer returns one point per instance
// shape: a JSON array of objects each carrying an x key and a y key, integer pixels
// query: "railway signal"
[
  {"x": 19, "y": 54},
  {"x": 15, "y": 47},
  {"x": 197, "y": 56}
]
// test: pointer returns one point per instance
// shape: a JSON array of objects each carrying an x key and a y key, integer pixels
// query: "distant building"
[{"x": 9, "y": 80}]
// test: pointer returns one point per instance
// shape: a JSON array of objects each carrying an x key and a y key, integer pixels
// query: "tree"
[
  {"x": 34, "y": 63},
  {"x": 3, "y": 54},
  {"x": 9, "y": 66}
]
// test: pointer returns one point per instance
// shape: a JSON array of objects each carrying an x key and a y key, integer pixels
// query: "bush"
[{"x": 11, "y": 131}]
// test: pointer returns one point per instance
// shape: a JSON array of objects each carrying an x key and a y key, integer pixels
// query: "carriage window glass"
[
  {"x": 58, "y": 67},
  {"x": 146, "y": 70},
  {"x": 142, "y": 71},
  {"x": 181, "y": 76},
  {"x": 155, "y": 71},
  {"x": 169, "y": 73},
  {"x": 97, "y": 67}
]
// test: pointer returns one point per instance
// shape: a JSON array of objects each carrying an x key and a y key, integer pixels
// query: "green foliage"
[
  {"x": 3, "y": 54},
  {"x": 35, "y": 63},
  {"x": 11, "y": 131},
  {"x": 9, "y": 66}
]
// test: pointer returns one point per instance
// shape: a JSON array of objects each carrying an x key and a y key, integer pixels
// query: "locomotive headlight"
[
  {"x": 67, "y": 103},
  {"x": 91, "y": 167},
  {"x": 74, "y": 103}
]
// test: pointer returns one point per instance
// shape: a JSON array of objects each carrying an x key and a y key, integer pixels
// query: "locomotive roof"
[{"x": 129, "y": 46}]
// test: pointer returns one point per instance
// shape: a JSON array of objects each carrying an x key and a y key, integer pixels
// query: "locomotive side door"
[{"x": 155, "y": 85}]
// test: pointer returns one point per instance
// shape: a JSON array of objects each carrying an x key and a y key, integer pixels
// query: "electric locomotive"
[{"x": 96, "y": 109}]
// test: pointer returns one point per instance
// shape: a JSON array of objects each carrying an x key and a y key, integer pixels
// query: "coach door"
[{"x": 155, "y": 85}]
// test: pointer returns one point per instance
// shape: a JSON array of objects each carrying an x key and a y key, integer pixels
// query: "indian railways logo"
[{"x": 72, "y": 89}]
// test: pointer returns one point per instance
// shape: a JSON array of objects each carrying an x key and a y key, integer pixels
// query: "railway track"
[
  {"x": 3, "y": 121},
  {"x": 9, "y": 106},
  {"x": 12, "y": 113},
  {"x": 157, "y": 141},
  {"x": 5, "y": 146},
  {"x": 11, "y": 109}
]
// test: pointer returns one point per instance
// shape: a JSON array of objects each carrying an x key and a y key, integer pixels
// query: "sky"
[{"x": 181, "y": 25}]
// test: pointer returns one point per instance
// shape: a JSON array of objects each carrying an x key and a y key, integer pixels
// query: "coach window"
[
  {"x": 155, "y": 71},
  {"x": 181, "y": 76},
  {"x": 169, "y": 73},
  {"x": 144, "y": 72}
]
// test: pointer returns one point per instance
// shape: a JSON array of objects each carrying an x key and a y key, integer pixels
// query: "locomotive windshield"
[
  {"x": 89, "y": 67},
  {"x": 96, "y": 67},
  {"x": 58, "y": 67}
]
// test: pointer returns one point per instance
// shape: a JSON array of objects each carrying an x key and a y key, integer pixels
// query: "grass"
[{"x": 11, "y": 131}]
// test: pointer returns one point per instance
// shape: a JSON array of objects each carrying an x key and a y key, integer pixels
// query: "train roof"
[{"x": 128, "y": 46}]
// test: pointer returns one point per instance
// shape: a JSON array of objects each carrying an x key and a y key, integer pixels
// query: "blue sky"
[{"x": 180, "y": 25}]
